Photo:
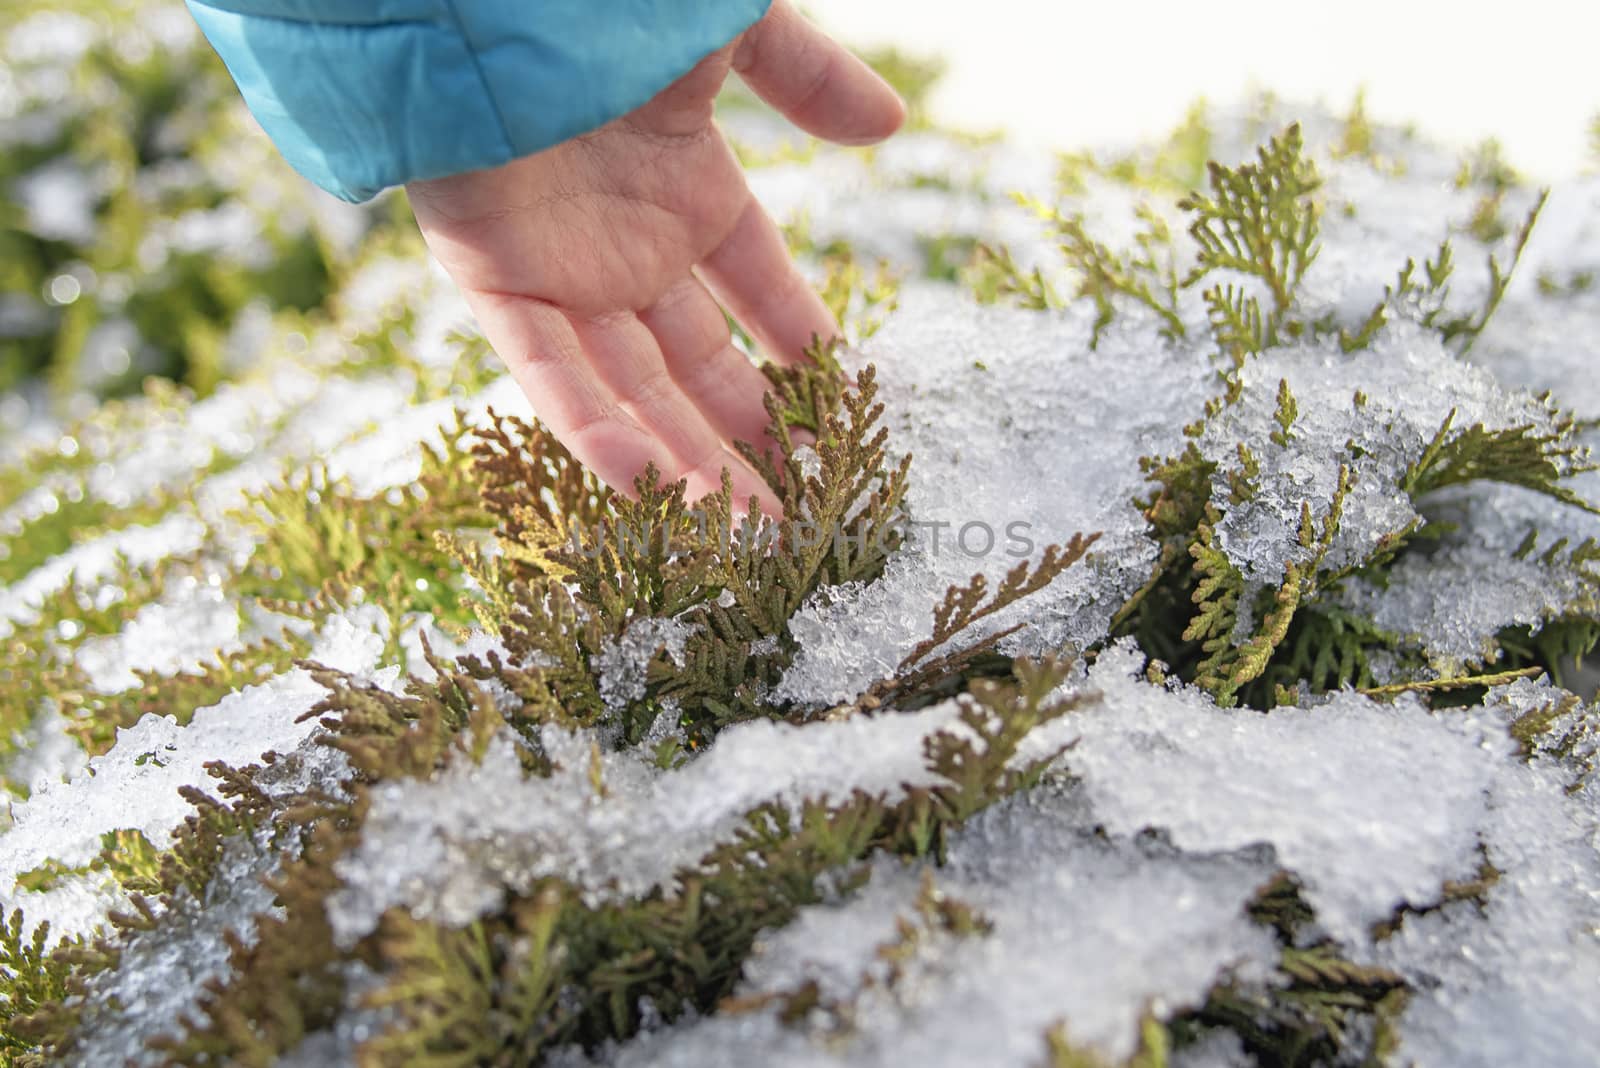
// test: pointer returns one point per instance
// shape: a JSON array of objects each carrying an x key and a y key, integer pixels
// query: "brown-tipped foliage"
[
  {"x": 36, "y": 980},
  {"x": 48, "y": 993},
  {"x": 688, "y": 604},
  {"x": 385, "y": 735},
  {"x": 963, "y": 606},
  {"x": 291, "y": 980},
  {"x": 578, "y": 566},
  {"x": 1319, "y": 1008},
  {"x": 288, "y": 982},
  {"x": 573, "y": 570},
  {"x": 549, "y": 968}
]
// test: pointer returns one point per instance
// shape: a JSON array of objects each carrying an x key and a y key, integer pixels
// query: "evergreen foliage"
[
  {"x": 567, "y": 586},
  {"x": 1260, "y": 222},
  {"x": 549, "y": 967},
  {"x": 143, "y": 264},
  {"x": 1319, "y": 1007}
]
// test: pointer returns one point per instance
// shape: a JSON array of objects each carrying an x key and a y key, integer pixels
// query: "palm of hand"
[{"x": 592, "y": 266}]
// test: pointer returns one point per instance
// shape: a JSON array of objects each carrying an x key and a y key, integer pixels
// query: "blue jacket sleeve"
[{"x": 363, "y": 94}]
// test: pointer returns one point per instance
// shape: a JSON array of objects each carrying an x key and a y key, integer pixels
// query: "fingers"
[
  {"x": 820, "y": 85},
  {"x": 758, "y": 281},
  {"x": 700, "y": 355},
  {"x": 618, "y": 421},
  {"x": 686, "y": 107},
  {"x": 541, "y": 350},
  {"x": 628, "y": 360}
]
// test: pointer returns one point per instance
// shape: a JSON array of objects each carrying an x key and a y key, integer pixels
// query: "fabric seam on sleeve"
[{"x": 483, "y": 80}]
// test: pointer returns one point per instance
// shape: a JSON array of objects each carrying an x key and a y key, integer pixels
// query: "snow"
[
  {"x": 621, "y": 662},
  {"x": 448, "y": 847},
  {"x": 1329, "y": 787},
  {"x": 235, "y": 421},
  {"x": 1124, "y": 887},
  {"x": 391, "y": 455},
  {"x": 47, "y": 752},
  {"x": 166, "y": 636},
  {"x": 135, "y": 785},
  {"x": 989, "y": 491},
  {"x": 59, "y": 201},
  {"x": 1087, "y": 932},
  {"x": 1434, "y": 599},
  {"x": 163, "y": 971},
  {"x": 981, "y": 499},
  {"x": 1410, "y": 382},
  {"x": 50, "y": 36},
  {"x": 1513, "y": 983},
  {"x": 96, "y": 559},
  {"x": 1119, "y": 885}
]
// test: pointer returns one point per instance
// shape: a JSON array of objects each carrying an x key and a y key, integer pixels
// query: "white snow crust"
[{"x": 1119, "y": 885}]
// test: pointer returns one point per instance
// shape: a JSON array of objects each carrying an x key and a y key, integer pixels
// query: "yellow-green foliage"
[
  {"x": 1148, "y": 275},
  {"x": 131, "y": 111},
  {"x": 31, "y": 978},
  {"x": 1260, "y": 222},
  {"x": 1177, "y": 165},
  {"x": 47, "y": 485},
  {"x": 503, "y": 528},
  {"x": 734, "y": 581},
  {"x": 1518, "y": 456},
  {"x": 1423, "y": 298},
  {"x": 1318, "y": 1007},
  {"x": 913, "y": 77},
  {"x": 1153, "y": 1051},
  {"x": 994, "y": 276},
  {"x": 859, "y": 296},
  {"x": 318, "y": 547}
]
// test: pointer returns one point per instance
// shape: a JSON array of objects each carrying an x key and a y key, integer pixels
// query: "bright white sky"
[{"x": 1525, "y": 71}]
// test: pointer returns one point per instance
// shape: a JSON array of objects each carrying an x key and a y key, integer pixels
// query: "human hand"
[{"x": 595, "y": 267}]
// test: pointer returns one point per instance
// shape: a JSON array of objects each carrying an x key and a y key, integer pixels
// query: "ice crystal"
[
  {"x": 1286, "y": 456},
  {"x": 1086, "y": 932},
  {"x": 1003, "y": 469},
  {"x": 135, "y": 785},
  {"x": 447, "y": 848}
]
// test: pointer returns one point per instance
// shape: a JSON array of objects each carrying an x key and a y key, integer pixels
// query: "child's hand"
[{"x": 595, "y": 267}]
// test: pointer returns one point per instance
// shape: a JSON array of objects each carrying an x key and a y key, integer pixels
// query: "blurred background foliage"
[
  {"x": 147, "y": 228},
  {"x": 143, "y": 216}
]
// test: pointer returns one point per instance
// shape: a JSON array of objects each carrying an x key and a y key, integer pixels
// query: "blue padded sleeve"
[{"x": 363, "y": 94}]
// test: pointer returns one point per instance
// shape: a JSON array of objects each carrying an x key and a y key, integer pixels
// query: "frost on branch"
[{"x": 1166, "y": 650}]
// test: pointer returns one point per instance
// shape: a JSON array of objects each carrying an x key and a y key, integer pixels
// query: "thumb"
[{"x": 819, "y": 84}]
